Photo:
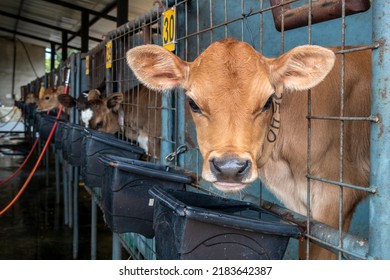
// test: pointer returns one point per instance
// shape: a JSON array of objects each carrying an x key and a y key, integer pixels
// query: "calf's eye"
[
  {"x": 195, "y": 108},
  {"x": 99, "y": 125},
  {"x": 268, "y": 104}
]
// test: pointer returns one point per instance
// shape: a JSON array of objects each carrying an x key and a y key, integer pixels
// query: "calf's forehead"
[{"x": 229, "y": 68}]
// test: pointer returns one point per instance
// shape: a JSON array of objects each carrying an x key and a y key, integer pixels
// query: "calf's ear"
[
  {"x": 66, "y": 100},
  {"x": 301, "y": 68},
  {"x": 157, "y": 68},
  {"x": 60, "y": 90},
  {"x": 114, "y": 101},
  {"x": 94, "y": 94}
]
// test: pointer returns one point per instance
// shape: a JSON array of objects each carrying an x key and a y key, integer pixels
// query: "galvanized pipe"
[
  {"x": 379, "y": 216},
  {"x": 354, "y": 247},
  {"x": 338, "y": 183},
  {"x": 116, "y": 247}
]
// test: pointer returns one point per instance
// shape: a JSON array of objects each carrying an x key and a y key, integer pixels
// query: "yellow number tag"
[
  {"x": 109, "y": 54},
  {"x": 87, "y": 65},
  {"x": 169, "y": 29}
]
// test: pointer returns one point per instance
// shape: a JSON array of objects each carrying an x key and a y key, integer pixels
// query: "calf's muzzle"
[{"x": 230, "y": 168}]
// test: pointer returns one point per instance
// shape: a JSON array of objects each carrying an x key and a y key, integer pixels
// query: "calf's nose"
[{"x": 230, "y": 169}]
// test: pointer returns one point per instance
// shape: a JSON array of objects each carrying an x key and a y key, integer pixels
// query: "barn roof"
[{"x": 43, "y": 22}]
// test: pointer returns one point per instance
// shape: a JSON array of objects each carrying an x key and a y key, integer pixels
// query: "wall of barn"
[{"x": 24, "y": 72}]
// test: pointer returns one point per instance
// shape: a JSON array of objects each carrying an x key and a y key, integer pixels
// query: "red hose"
[
  {"x": 40, "y": 156},
  {"x": 35, "y": 167},
  {"x": 23, "y": 164}
]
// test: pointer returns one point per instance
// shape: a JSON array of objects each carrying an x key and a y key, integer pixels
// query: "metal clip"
[{"x": 181, "y": 149}]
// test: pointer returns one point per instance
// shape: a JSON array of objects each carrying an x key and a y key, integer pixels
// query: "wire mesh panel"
[
  {"x": 95, "y": 69},
  {"x": 142, "y": 108},
  {"x": 144, "y": 112},
  {"x": 166, "y": 130},
  {"x": 255, "y": 22}
]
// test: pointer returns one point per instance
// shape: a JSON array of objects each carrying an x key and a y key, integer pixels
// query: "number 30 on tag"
[{"x": 169, "y": 29}]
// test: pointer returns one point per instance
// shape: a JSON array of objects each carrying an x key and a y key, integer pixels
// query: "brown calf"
[
  {"x": 250, "y": 117},
  {"x": 136, "y": 114},
  {"x": 97, "y": 112},
  {"x": 142, "y": 119},
  {"x": 49, "y": 100},
  {"x": 30, "y": 98}
]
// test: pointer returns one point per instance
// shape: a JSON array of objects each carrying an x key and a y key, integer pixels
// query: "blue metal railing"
[{"x": 379, "y": 225}]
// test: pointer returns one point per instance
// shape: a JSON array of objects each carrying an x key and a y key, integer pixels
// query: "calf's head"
[
  {"x": 97, "y": 112},
  {"x": 30, "y": 98},
  {"x": 49, "y": 99},
  {"x": 234, "y": 94}
]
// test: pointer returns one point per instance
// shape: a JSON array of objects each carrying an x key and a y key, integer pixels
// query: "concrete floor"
[{"x": 34, "y": 227}]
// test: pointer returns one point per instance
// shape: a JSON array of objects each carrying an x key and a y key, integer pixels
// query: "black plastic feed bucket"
[
  {"x": 45, "y": 123},
  {"x": 30, "y": 110},
  {"x": 127, "y": 204},
  {"x": 74, "y": 142},
  {"x": 96, "y": 143},
  {"x": 190, "y": 225},
  {"x": 64, "y": 140},
  {"x": 60, "y": 131}
]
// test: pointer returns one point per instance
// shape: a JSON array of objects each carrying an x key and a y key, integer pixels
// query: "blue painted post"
[
  {"x": 76, "y": 213},
  {"x": 379, "y": 228},
  {"x": 116, "y": 247},
  {"x": 93, "y": 228},
  {"x": 166, "y": 127},
  {"x": 47, "y": 167},
  {"x": 70, "y": 196},
  {"x": 65, "y": 184},
  {"x": 57, "y": 166}
]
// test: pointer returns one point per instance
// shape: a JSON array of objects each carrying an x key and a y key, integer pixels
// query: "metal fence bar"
[
  {"x": 370, "y": 118},
  {"x": 353, "y": 246},
  {"x": 379, "y": 227},
  {"x": 227, "y": 22},
  {"x": 309, "y": 136},
  {"x": 342, "y": 129},
  {"x": 370, "y": 190},
  {"x": 197, "y": 36}
]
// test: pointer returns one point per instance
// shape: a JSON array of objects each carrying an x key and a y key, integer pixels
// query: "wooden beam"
[
  {"x": 64, "y": 45},
  {"x": 93, "y": 21},
  {"x": 122, "y": 12},
  {"x": 32, "y": 37},
  {"x": 45, "y": 25},
  {"x": 84, "y": 31},
  {"x": 81, "y": 9},
  {"x": 52, "y": 56}
]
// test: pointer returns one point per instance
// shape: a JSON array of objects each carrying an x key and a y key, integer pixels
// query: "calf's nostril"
[
  {"x": 214, "y": 166},
  {"x": 230, "y": 168},
  {"x": 245, "y": 167}
]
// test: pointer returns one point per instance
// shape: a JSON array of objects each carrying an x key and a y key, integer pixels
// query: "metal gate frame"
[
  {"x": 379, "y": 222},
  {"x": 350, "y": 245},
  {"x": 197, "y": 35}
]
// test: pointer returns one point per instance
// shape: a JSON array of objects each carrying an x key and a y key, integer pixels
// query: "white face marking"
[
  {"x": 86, "y": 116},
  {"x": 121, "y": 118},
  {"x": 142, "y": 140}
]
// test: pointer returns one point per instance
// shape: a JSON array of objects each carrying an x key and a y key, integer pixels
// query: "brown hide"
[
  {"x": 141, "y": 118},
  {"x": 250, "y": 116}
]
